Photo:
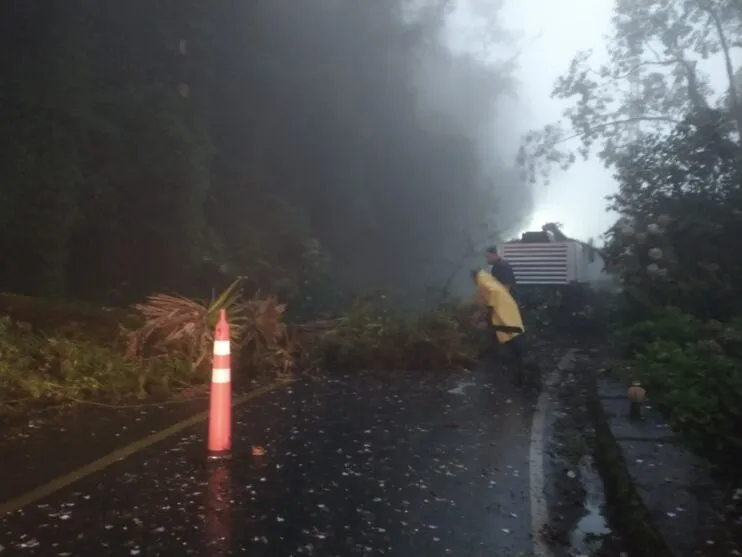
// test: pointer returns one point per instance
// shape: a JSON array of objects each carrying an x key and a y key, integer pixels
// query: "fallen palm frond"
[
  {"x": 176, "y": 324},
  {"x": 179, "y": 325},
  {"x": 364, "y": 338},
  {"x": 267, "y": 344}
]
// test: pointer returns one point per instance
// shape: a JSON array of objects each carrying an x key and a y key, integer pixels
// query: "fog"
[
  {"x": 556, "y": 33},
  {"x": 151, "y": 138},
  {"x": 390, "y": 129},
  {"x": 575, "y": 198}
]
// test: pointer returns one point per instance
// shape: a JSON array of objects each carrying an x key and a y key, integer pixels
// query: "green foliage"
[
  {"x": 370, "y": 337},
  {"x": 670, "y": 323},
  {"x": 39, "y": 369},
  {"x": 687, "y": 186},
  {"x": 675, "y": 249},
  {"x": 693, "y": 371}
]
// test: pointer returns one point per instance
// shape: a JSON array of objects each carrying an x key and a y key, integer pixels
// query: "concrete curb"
[
  {"x": 538, "y": 440},
  {"x": 630, "y": 512}
]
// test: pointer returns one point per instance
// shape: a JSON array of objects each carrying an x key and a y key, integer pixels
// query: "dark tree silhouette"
[{"x": 154, "y": 145}]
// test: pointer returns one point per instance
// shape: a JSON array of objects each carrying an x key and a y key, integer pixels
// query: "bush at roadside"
[
  {"x": 38, "y": 368},
  {"x": 369, "y": 337},
  {"x": 693, "y": 372},
  {"x": 166, "y": 342}
]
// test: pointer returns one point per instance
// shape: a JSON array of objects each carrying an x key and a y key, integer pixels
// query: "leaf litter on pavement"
[{"x": 360, "y": 466}]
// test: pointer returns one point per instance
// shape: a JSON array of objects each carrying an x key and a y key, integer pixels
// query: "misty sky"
[{"x": 574, "y": 198}]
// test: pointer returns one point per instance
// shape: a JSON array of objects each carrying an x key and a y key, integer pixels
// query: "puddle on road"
[
  {"x": 460, "y": 388},
  {"x": 590, "y": 531}
]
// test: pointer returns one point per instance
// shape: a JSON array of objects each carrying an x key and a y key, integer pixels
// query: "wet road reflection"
[
  {"x": 397, "y": 464},
  {"x": 219, "y": 503}
]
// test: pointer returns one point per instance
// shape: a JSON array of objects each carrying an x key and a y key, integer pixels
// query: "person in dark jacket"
[{"x": 501, "y": 270}]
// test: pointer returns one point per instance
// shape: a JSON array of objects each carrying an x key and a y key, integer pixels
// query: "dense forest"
[{"x": 158, "y": 146}]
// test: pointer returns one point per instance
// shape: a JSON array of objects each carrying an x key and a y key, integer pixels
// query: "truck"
[
  {"x": 541, "y": 258},
  {"x": 559, "y": 281}
]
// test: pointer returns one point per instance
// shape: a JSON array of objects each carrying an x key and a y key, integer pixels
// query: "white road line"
[{"x": 539, "y": 510}]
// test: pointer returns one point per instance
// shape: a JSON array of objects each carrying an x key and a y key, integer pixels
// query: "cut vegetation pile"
[
  {"x": 53, "y": 353},
  {"x": 367, "y": 338}
]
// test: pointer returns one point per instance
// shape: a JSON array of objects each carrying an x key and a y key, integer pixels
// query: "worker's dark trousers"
[
  {"x": 511, "y": 354},
  {"x": 522, "y": 369}
]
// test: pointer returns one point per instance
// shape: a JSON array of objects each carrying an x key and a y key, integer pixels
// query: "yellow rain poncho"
[{"x": 506, "y": 319}]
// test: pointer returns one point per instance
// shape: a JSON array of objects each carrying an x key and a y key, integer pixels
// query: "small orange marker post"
[{"x": 220, "y": 409}]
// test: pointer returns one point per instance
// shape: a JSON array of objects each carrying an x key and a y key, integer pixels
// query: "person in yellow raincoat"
[
  {"x": 504, "y": 313},
  {"x": 503, "y": 317}
]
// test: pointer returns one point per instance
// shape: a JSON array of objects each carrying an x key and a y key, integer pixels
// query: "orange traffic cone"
[{"x": 220, "y": 410}]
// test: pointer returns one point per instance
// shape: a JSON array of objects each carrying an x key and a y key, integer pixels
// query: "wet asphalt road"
[{"x": 398, "y": 464}]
